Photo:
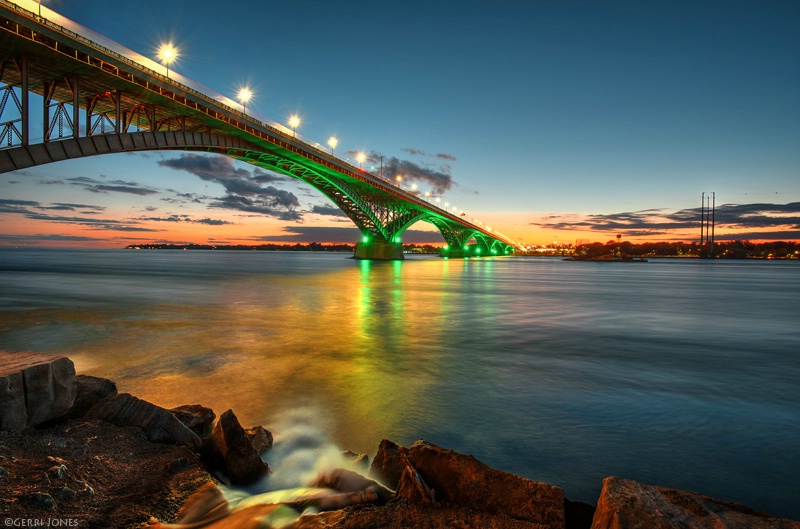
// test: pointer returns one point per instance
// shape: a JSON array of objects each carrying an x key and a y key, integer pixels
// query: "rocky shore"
[{"x": 74, "y": 452}]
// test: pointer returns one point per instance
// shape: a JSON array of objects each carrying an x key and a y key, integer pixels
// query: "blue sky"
[{"x": 551, "y": 118}]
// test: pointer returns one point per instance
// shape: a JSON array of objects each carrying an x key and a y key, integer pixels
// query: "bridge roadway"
[{"x": 101, "y": 98}]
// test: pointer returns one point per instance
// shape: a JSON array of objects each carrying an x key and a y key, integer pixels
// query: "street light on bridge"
[
  {"x": 360, "y": 157},
  {"x": 244, "y": 96},
  {"x": 294, "y": 122},
  {"x": 167, "y": 53},
  {"x": 333, "y": 141}
]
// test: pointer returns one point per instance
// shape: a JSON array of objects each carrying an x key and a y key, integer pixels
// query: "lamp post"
[
  {"x": 166, "y": 54},
  {"x": 360, "y": 157},
  {"x": 332, "y": 143},
  {"x": 244, "y": 96},
  {"x": 294, "y": 122}
]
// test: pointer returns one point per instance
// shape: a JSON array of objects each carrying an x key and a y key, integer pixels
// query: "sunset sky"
[{"x": 549, "y": 120}]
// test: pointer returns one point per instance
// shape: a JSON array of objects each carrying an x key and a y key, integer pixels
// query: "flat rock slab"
[
  {"x": 628, "y": 504},
  {"x": 160, "y": 425},
  {"x": 34, "y": 388}
]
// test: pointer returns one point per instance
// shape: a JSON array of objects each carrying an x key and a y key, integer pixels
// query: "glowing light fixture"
[
  {"x": 333, "y": 141},
  {"x": 360, "y": 157},
  {"x": 294, "y": 122},
  {"x": 167, "y": 54},
  {"x": 365, "y": 238},
  {"x": 244, "y": 96}
]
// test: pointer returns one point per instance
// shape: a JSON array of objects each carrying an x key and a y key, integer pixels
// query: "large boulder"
[
  {"x": 197, "y": 418},
  {"x": 387, "y": 465},
  {"x": 628, "y": 504},
  {"x": 463, "y": 480},
  {"x": 90, "y": 391},
  {"x": 229, "y": 451},
  {"x": 34, "y": 388},
  {"x": 160, "y": 425}
]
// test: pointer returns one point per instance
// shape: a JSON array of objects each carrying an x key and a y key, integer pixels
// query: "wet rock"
[
  {"x": 40, "y": 500},
  {"x": 344, "y": 480},
  {"x": 387, "y": 466},
  {"x": 58, "y": 472},
  {"x": 260, "y": 438},
  {"x": 463, "y": 480},
  {"x": 229, "y": 451},
  {"x": 160, "y": 425},
  {"x": 627, "y": 504},
  {"x": 34, "y": 388},
  {"x": 90, "y": 391},
  {"x": 197, "y": 418},
  {"x": 358, "y": 460},
  {"x": 413, "y": 488},
  {"x": 178, "y": 465},
  {"x": 67, "y": 494}
]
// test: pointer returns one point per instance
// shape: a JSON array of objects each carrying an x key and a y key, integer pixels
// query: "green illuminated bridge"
[{"x": 98, "y": 97}]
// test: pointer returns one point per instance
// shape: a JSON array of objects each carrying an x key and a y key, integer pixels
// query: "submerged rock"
[{"x": 628, "y": 504}]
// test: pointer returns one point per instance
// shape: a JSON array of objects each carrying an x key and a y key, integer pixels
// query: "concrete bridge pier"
[
  {"x": 454, "y": 252},
  {"x": 379, "y": 251}
]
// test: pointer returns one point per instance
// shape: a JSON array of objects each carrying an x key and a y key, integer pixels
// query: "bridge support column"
[
  {"x": 379, "y": 251},
  {"x": 454, "y": 252}
]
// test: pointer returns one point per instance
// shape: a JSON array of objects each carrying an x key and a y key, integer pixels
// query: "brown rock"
[
  {"x": 229, "y": 451},
  {"x": 34, "y": 388},
  {"x": 159, "y": 424},
  {"x": 463, "y": 480},
  {"x": 197, "y": 418},
  {"x": 344, "y": 480},
  {"x": 387, "y": 466},
  {"x": 627, "y": 504},
  {"x": 90, "y": 391},
  {"x": 260, "y": 438}
]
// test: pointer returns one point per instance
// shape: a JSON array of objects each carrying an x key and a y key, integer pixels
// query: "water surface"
[{"x": 681, "y": 373}]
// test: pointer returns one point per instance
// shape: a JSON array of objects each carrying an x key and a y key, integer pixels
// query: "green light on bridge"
[
  {"x": 365, "y": 239},
  {"x": 446, "y": 247},
  {"x": 494, "y": 251},
  {"x": 397, "y": 239},
  {"x": 477, "y": 250},
  {"x": 466, "y": 248}
]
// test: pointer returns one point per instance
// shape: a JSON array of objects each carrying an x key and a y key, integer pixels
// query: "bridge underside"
[{"x": 93, "y": 103}]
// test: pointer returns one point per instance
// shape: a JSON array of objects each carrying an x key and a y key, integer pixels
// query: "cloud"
[
  {"x": 114, "y": 186},
  {"x": 785, "y": 218},
  {"x": 185, "y": 218},
  {"x": 8, "y": 205},
  {"x": 439, "y": 179},
  {"x": 72, "y": 207},
  {"x": 332, "y": 211},
  {"x": 420, "y": 152},
  {"x": 244, "y": 189}
]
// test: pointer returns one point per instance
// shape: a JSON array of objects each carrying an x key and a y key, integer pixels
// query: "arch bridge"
[{"x": 99, "y": 98}]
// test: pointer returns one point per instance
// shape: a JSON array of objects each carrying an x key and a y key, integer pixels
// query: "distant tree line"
[
  {"x": 720, "y": 249},
  {"x": 311, "y": 247}
]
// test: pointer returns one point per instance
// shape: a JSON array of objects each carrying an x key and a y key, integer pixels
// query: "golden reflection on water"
[{"x": 362, "y": 344}]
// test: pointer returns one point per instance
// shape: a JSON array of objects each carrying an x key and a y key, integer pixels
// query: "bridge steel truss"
[{"x": 96, "y": 101}]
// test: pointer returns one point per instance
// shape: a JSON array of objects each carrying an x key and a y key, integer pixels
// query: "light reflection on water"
[{"x": 682, "y": 373}]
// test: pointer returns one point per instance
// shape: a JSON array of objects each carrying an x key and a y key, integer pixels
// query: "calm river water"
[{"x": 683, "y": 373}]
